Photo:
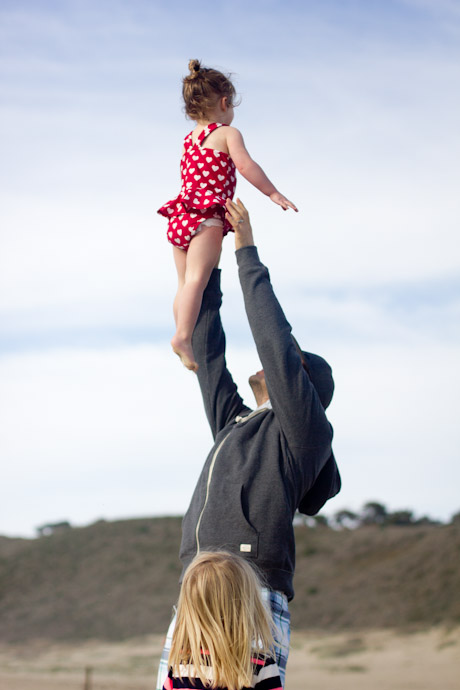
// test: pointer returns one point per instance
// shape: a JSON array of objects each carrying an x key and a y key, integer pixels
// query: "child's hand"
[{"x": 283, "y": 202}]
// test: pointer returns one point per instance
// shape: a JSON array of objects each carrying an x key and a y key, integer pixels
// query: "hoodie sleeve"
[
  {"x": 293, "y": 397},
  {"x": 326, "y": 486},
  {"x": 221, "y": 400}
]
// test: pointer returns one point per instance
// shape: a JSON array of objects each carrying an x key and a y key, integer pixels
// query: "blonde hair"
[
  {"x": 221, "y": 622},
  {"x": 202, "y": 88}
]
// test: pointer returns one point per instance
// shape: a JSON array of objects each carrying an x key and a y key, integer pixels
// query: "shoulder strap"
[
  {"x": 207, "y": 130},
  {"x": 188, "y": 141}
]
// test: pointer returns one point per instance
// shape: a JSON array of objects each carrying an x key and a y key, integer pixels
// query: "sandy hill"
[{"x": 116, "y": 580}]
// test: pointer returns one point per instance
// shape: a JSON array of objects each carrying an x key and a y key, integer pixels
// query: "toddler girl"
[
  {"x": 211, "y": 154},
  {"x": 222, "y": 638}
]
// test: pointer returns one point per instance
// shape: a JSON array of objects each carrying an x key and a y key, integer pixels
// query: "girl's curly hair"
[{"x": 202, "y": 88}]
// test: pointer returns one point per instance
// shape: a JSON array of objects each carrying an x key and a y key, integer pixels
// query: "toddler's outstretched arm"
[{"x": 252, "y": 170}]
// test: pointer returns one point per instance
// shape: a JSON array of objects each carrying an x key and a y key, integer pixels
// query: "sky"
[{"x": 352, "y": 109}]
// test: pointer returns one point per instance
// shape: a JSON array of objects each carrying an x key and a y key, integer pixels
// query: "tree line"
[{"x": 372, "y": 513}]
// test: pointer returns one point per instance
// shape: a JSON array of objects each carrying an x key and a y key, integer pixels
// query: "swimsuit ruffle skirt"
[{"x": 208, "y": 180}]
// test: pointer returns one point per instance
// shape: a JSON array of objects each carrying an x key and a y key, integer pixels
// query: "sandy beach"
[{"x": 377, "y": 660}]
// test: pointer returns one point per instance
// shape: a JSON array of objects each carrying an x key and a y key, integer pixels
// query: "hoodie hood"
[{"x": 321, "y": 377}]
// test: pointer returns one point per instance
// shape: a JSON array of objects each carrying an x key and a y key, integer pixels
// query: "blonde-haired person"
[
  {"x": 223, "y": 633},
  {"x": 211, "y": 154}
]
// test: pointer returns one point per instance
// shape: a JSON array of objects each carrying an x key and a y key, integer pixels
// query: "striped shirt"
[{"x": 266, "y": 676}]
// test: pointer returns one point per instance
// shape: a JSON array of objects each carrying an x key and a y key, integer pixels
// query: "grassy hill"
[{"x": 115, "y": 580}]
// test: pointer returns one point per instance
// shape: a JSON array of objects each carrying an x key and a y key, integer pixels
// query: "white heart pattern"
[{"x": 207, "y": 180}]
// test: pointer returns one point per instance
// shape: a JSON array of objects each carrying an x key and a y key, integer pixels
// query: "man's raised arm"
[
  {"x": 294, "y": 399},
  {"x": 220, "y": 395}
]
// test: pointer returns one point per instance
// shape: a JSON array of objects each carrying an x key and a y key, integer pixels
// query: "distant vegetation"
[
  {"x": 117, "y": 580},
  {"x": 372, "y": 513}
]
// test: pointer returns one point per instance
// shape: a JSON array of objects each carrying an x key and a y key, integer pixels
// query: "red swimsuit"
[{"x": 208, "y": 179}]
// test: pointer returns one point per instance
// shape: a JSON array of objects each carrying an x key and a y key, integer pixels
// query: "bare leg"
[
  {"x": 202, "y": 255},
  {"x": 180, "y": 259}
]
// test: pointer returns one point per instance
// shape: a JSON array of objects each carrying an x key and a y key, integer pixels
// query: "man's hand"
[{"x": 238, "y": 217}]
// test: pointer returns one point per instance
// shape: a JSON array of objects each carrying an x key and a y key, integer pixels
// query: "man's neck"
[{"x": 265, "y": 403}]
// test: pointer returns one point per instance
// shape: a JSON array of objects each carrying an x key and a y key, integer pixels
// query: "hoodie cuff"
[{"x": 247, "y": 255}]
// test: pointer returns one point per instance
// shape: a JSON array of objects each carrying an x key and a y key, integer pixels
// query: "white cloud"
[
  {"x": 119, "y": 433},
  {"x": 356, "y": 122},
  {"x": 395, "y": 421},
  {"x": 79, "y": 426}
]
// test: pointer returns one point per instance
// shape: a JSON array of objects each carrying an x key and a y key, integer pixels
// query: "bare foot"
[{"x": 184, "y": 351}]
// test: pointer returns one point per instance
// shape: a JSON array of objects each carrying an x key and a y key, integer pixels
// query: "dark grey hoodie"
[{"x": 264, "y": 464}]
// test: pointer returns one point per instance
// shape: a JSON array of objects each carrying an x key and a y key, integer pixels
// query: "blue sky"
[{"x": 352, "y": 108}]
